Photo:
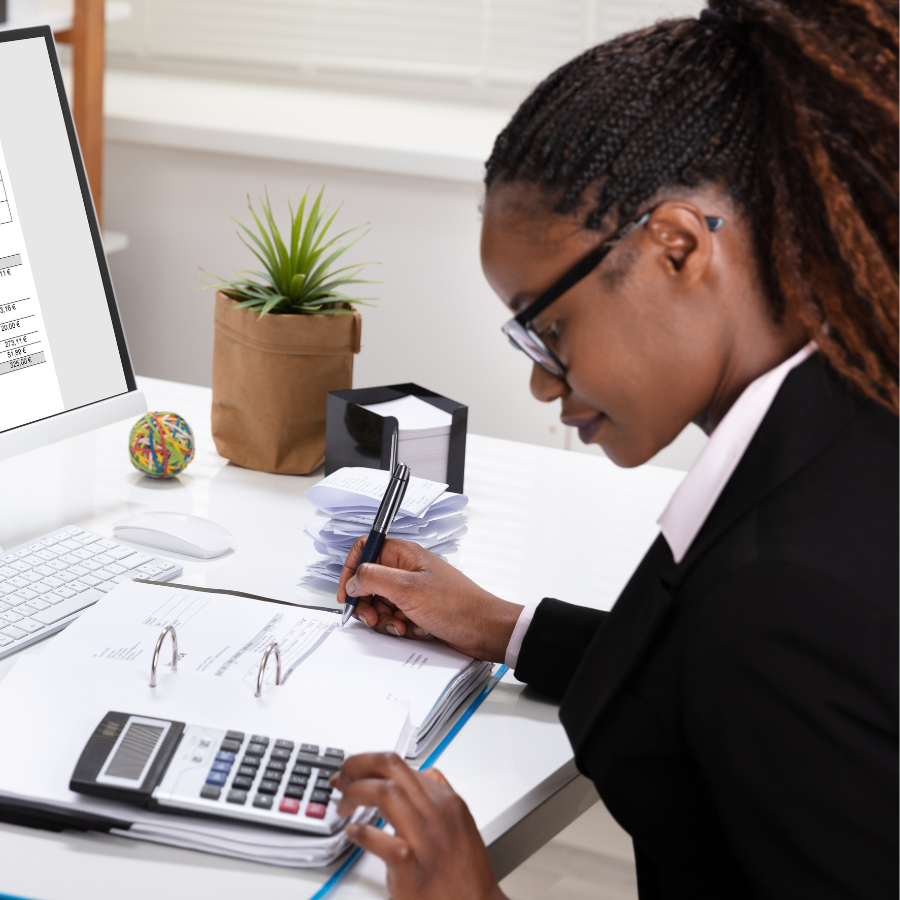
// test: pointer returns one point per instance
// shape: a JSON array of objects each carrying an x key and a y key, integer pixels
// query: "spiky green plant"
[{"x": 298, "y": 276}]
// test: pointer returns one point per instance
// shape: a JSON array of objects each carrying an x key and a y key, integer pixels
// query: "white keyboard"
[{"x": 47, "y": 583}]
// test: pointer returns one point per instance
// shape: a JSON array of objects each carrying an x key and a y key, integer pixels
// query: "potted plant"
[{"x": 284, "y": 338}]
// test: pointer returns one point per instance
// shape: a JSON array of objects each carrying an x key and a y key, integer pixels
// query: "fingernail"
[
  {"x": 392, "y": 629},
  {"x": 420, "y": 632},
  {"x": 352, "y": 831},
  {"x": 350, "y": 586}
]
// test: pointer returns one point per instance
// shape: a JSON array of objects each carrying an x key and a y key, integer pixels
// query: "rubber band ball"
[{"x": 161, "y": 444}]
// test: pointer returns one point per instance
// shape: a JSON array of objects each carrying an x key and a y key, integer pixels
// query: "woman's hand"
[
  {"x": 417, "y": 594},
  {"x": 436, "y": 852}
]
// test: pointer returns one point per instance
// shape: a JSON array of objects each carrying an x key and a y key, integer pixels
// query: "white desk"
[{"x": 544, "y": 522}]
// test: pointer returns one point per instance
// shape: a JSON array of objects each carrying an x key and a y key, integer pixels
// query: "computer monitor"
[{"x": 64, "y": 365}]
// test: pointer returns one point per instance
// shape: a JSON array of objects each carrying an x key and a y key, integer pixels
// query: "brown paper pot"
[{"x": 271, "y": 379}]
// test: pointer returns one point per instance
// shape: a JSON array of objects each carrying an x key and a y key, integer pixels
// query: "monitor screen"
[{"x": 61, "y": 341}]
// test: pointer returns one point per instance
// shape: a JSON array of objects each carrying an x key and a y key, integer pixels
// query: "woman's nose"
[{"x": 546, "y": 387}]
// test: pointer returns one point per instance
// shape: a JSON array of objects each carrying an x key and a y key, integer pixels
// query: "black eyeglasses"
[{"x": 519, "y": 331}]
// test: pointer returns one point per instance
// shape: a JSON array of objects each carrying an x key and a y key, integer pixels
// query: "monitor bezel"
[{"x": 45, "y": 32}]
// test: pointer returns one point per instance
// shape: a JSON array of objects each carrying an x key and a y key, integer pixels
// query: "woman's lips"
[{"x": 587, "y": 427}]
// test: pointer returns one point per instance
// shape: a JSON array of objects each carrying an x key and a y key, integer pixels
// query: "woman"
[{"x": 698, "y": 223}]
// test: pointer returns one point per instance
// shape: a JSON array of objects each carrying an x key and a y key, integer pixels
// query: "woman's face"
[{"x": 652, "y": 339}]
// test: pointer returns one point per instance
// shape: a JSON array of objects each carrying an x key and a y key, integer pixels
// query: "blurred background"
[{"x": 393, "y": 105}]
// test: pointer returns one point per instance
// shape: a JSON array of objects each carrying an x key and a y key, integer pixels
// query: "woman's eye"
[{"x": 550, "y": 334}]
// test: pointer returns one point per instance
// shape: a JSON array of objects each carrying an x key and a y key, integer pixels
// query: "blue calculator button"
[
  {"x": 224, "y": 756},
  {"x": 221, "y": 766},
  {"x": 218, "y": 778}
]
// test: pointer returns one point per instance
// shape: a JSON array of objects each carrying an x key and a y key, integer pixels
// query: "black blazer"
[{"x": 738, "y": 711}]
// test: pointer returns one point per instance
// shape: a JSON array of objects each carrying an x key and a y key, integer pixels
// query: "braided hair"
[{"x": 790, "y": 105}]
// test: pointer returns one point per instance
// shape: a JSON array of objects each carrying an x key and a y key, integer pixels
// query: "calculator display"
[{"x": 134, "y": 751}]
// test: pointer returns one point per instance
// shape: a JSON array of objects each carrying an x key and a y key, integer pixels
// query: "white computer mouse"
[{"x": 175, "y": 531}]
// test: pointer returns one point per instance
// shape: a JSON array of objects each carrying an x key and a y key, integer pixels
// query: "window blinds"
[{"x": 474, "y": 42}]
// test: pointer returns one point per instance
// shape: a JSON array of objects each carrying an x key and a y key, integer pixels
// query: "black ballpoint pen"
[{"x": 390, "y": 504}]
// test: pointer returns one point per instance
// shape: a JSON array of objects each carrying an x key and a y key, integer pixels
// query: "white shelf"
[{"x": 58, "y": 14}]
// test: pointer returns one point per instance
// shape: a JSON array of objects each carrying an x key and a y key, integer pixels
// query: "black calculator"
[{"x": 159, "y": 763}]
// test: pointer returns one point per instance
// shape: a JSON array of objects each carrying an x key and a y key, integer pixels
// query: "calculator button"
[
  {"x": 301, "y": 769},
  {"x": 316, "y": 810},
  {"x": 247, "y": 772},
  {"x": 284, "y": 745},
  {"x": 231, "y": 746},
  {"x": 242, "y": 782},
  {"x": 279, "y": 753},
  {"x": 218, "y": 778},
  {"x": 218, "y": 765},
  {"x": 310, "y": 748},
  {"x": 333, "y": 751},
  {"x": 323, "y": 784},
  {"x": 225, "y": 756},
  {"x": 198, "y": 757},
  {"x": 259, "y": 739},
  {"x": 237, "y": 797},
  {"x": 268, "y": 787},
  {"x": 320, "y": 797},
  {"x": 293, "y": 790},
  {"x": 205, "y": 742},
  {"x": 251, "y": 761},
  {"x": 301, "y": 780},
  {"x": 262, "y": 801},
  {"x": 253, "y": 749},
  {"x": 273, "y": 775},
  {"x": 276, "y": 765},
  {"x": 235, "y": 736},
  {"x": 210, "y": 792},
  {"x": 289, "y": 805}
]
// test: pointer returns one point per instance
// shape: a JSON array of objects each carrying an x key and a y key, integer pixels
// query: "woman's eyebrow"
[{"x": 520, "y": 301}]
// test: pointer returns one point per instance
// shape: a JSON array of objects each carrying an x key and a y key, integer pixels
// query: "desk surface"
[{"x": 544, "y": 523}]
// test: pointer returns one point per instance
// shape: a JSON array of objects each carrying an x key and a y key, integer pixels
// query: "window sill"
[{"x": 355, "y": 131}]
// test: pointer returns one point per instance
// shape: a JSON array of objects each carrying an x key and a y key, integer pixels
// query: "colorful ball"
[{"x": 161, "y": 444}]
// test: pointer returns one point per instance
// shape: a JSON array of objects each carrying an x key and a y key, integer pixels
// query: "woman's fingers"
[{"x": 392, "y": 849}]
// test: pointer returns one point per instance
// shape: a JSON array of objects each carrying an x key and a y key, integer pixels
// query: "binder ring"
[
  {"x": 262, "y": 667},
  {"x": 169, "y": 629}
]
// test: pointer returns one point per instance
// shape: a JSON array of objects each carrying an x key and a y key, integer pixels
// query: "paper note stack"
[
  {"x": 348, "y": 499},
  {"x": 424, "y": 432}
]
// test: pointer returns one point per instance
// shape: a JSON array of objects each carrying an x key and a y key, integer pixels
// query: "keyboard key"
[
  {"x": 31, "y": 577},
  {"x": 284, "y": 745},
  {"x": 210, "y": 792},
  {"x": 231, "y": 746},
  {"x": 119, "y": 552},
  {"x": 8, "y": 571},
  {"x": 11, "y": 617},
  {"x": 295, "y": 790},
  {"x": 251, "y": 761},
  {"x": 259, "y": 739},
  {"x": 57, "y": 565},
  {"x": 78, "y": 586},
  {"x": 103, "y": 559},
  {"x": 310, "y": 748},
  {"x": 89, "y": 580},
  {"x": 5, "y": 641},
  {"x": 234, "y": 736},
  {"x": 105, "y": 586},
  {"x": 21, "y": 596},
  {"x": 239, "y": 797},
  {"x": 91, "y": 565},
  {"x": 67, "y": 577},
  {"x": 276, "y": 765},
  {"x": 135, "y": 560},
  {"x": 64, "y": 592},
  {"x": 85, "y": 539},
  {"x": 256, "y": 749},
  {"x": 320, "y": 797},
  {"x": 225, "y": 756},
  {"x": 220, "y": 765},
  {"x": 273, "y": 775},
  {"x": 19, "y": 566},
  {"x": 149, "y": 570},
  {"x": 66, "y": 607},
  {"x": 316, "y": 810},
  {"x": 79, "y": 571},
  {"x": 113, "y": 569},
  {"x": 107, "y": 544},
  {"x": 4, "y": 606},
  {"x": 289, "y": 805},
  {"x": 42, "y": 587},
  {"x": 70, "y": 559},
  {"x": 242, "y": 782},
  {"x": 49, "y": 541},
  {"x": 333, "y": 751},
  {"x": 18, "y": 582},
  {"x": 323, "y": 784},
  {"x": 268, "y": 787},
  {"x": 218, "y": 778},
  {"x": 13, "y": 632},
  {"x": 278, "y": 753},
  {"x": 30, "y": 626},
  {"x": 46, "y": 571},
  {"x": 301, "y": 769},
  {"x": 247, "y": 771},
  {"x": 262, "y": 801},
  {"x": 300, "y": 780},
  {"x": 70, "y": 545}
]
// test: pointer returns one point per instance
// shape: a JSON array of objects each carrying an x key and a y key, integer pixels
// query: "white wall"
[{"x": 436, "y": 322}]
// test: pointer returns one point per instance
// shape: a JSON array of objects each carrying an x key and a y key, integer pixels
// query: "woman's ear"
[{"x": 679, "y": 231}]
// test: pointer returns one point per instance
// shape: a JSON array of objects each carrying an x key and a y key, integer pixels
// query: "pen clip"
[{"x": 395, "y": 449}]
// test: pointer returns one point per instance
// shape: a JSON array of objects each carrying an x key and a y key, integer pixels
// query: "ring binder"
[
  {"x": 262, "y": 667},
  {"x": 167, "y": 630}
]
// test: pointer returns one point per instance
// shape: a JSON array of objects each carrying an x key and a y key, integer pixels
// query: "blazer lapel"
[{"x": 808, "y": 412}]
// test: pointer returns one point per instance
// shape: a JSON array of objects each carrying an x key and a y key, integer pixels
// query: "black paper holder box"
[{"x": 355, "y": 436}]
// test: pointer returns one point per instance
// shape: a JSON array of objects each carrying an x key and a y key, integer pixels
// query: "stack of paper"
[
  {"x": 348, "y": 499},
  {"x": 424, "y": 435}
]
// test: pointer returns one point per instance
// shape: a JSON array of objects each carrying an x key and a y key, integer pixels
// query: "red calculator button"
[
  {"x": 289, "y": 805},
  {"x": 316, "y": 810}
]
